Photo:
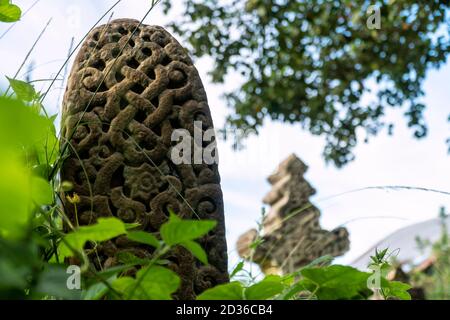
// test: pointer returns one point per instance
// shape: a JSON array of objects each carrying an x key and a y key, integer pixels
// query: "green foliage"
[
  {"x": 97, "y": 290},
  {"x": 196, "y": 250},
  {"x": 151, "y": 283},
  {"x": 23, "y": 274},
  {"x": 239, "y": 267},
  {"x": 183, "y": 232},
  {"x": 105, "y": 229},
  {"x": 144, "y": 237},
  {"x": 315, "y": 62},
  {"x": 269, "y": 287},
  {"x": 395, "y": 290},
  {"x": 9, "y": 12},
  {"x": 52, "y": 282},
  {"x": 229, "y": 291},
  {"x": 24, "y": 137},
  {"x": 16, "y": 263},
  {"x": 335, "y": 282},
  {"x": 177, "y": 231},
  {"x": 23, "y": 90},
  {"x": 387, "y": 289}
]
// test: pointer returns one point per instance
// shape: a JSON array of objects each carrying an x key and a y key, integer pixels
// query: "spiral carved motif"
[{"x": 130, "y": 87}]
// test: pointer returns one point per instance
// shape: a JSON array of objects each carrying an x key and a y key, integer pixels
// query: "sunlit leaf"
[
  {"x": 41, "y": 191},
  {"x": 156, "y": 283},
  {"x": 335, "y": 282},
  {"x": 21, "y": 127},
  {"x": 237, "y": 269},
  {"x": 28, "y": 134},
  {"x": 15, "y": 195},
  {"x": 143, "y": 237},
  {"x": 151, "y": 283},
  {"x": 23, "y": 90},
  {"x": 229, "y": 291},
  {"x": 123, "y": 285},
  {"x": 97, "y": 290},
  {"x": 177, "y": 231},
  {"x": 9, "y": 12},
  {"x": 265, "y": 289},
  {"x": 104, "y": 229},
  {"x": 130, "y": 259},
  {"x": 196, "y": 250},
  {"x": 395, "y": 289}
]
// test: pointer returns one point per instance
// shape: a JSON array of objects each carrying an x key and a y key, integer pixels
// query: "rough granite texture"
[
  {"x": 292, "y": 236},
  {"x": 120, "y": 109}
]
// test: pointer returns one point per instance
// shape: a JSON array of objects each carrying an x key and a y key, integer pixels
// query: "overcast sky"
[{"x": 385, "y": 161}]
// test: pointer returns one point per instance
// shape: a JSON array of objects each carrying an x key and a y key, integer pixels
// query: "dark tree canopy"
[{"x": 311, "y": 62}]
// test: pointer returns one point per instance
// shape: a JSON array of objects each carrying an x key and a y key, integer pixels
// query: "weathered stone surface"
[
  {"x": 120, "y": 109},
  {"x": 292, "y": 234}
]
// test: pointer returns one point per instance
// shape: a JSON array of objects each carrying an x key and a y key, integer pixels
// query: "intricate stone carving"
[
  {"x": 132, "y": 85},
  {"x": 292, "y": 234}
]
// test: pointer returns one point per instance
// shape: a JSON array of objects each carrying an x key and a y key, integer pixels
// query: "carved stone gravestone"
[
  {"x": 292, "y": 236},
  {"x": 130, "y": 87}
]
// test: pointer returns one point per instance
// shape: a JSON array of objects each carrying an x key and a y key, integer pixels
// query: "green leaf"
[
  {"x": 266, "y": 289},
  {"x": 20, "y": 192},
  {"x": 114, "y": 271},
  {"x": 228, "y": 291},
  {"x": 53, "y": 282},
  {"x": 18, "y": 259},
  {"x": 23, "y": 90},
  {"x": 9, "y": 13},
  {"x": 156, "y": 283},
  {"x": 15, "y": 198},
  {"x": 196, "y": 250},
  {"x": 131, "y": 226},
  {"x": 151, "y": 283},
  {"x": 12, "y": 276},
  {"x": 97, "y": 290},
  {"x": 395, "y": 289},
  {"x": 27, "y": 133},
  {"x": 144, "y": 237},
  {"x": 42, "y": 171},
  {"x": 324, "y": 260},
  {"x": 41, "y": 191},
  {"x": 21, "y": 128},
  {"x": 130, "y": 259},
  {"x": 321, "y": 261},
  {"x": 22, "y": 136},
  {"x": 177, "y": 231},
  {"x": 237, "y": 269},
  {"x": 37, "y": 106},
  {"x": 105, "y": 229},
  {"x": 292, "y": 291},
  {"x": 335, "y": 282},
  {"x": 123, "y": 285}
]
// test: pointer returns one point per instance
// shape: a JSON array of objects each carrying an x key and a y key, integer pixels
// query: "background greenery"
[{"x": 314, "y": 62}]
